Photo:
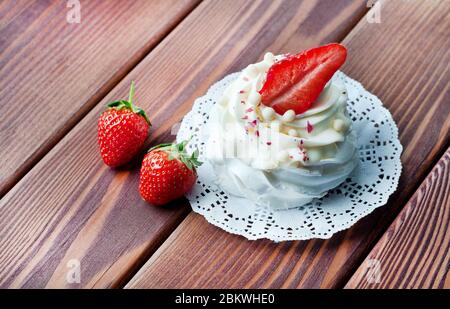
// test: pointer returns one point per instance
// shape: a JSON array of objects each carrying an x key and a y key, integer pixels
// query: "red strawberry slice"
[{"x": 297, "y": 81}]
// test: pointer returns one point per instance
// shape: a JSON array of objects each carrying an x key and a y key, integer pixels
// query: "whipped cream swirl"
[{"x": 280, "y": 161}]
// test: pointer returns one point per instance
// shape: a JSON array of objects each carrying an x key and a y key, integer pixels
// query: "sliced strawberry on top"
[{"x": 297, "y": 81}]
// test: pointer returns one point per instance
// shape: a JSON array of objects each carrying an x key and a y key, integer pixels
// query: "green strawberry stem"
[
  {"x": 178, "y": 151},
  {"x": 122, "y": 104},
  {"x": 131, "y": 94}
]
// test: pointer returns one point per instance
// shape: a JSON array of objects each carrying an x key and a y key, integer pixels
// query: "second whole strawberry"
[{"x": 167, "y": 173}]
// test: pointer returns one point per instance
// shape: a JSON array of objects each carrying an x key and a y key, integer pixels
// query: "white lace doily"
[{"x": 367, "y": 188}]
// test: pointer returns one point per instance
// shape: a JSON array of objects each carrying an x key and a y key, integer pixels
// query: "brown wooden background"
[{"x": 60, "y": 202}]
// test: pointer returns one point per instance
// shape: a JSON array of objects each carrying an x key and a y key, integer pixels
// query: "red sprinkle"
[
  {"x": 309, "y": 127},
  {"x": 245, "y": 117},
  {"x": 243, "y": 102},
  {"x": 242, "y": 91},
  {"x": 269, "y": 143},
  {"x": 248, "y": 110},
  {"x": 254, "y": 122},
  {"x": 257, "y": 133}
]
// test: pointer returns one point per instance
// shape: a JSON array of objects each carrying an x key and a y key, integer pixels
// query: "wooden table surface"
[{"x": 60, "y": 203}]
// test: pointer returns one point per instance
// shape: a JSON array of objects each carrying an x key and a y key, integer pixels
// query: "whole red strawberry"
[
  {"x": 122, "y": 131},
  {"x": 167, "y": 173},
  {"x": 296, "y": 81}
]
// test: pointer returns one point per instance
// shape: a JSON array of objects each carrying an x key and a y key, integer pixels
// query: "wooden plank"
[
  {"x": 52, "y": 72},
  {"x": 70, "y": 206},
  {"x": 415, "y": 251},
  {"x": 414, "y": 85}
]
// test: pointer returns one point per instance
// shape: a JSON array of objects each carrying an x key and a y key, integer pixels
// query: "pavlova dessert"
[{"x": 281, "y": 135}]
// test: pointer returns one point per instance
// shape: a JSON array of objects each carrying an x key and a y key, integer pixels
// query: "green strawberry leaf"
[
  {"x": 141, "y": 112},
  {"x": 119, "y": 104}
]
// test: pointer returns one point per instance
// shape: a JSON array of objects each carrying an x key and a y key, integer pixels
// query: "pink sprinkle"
[
  {"x": 291, "y": 157},
  {"x": 246, "y": 79},
  {"x": 269, "y": 143},
  {"x": 248, "y": 110},
  {"x": 245, "y": 117},
  {"x": 309, "y": 127},
  {"x": 254, "y": 122},
  {"x": 242, "y": 91},
  {"x": 257, "y": 133}
]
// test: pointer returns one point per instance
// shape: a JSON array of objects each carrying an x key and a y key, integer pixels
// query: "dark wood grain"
[
  {"x": 71, "y": 206},
  {"x": 415, "y": 251},
  {"x": 52, "y": 72},
  {"x": 404, "y": 60}
]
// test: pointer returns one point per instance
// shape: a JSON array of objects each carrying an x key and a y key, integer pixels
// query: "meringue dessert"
[{"x": 281, "y": 135}]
